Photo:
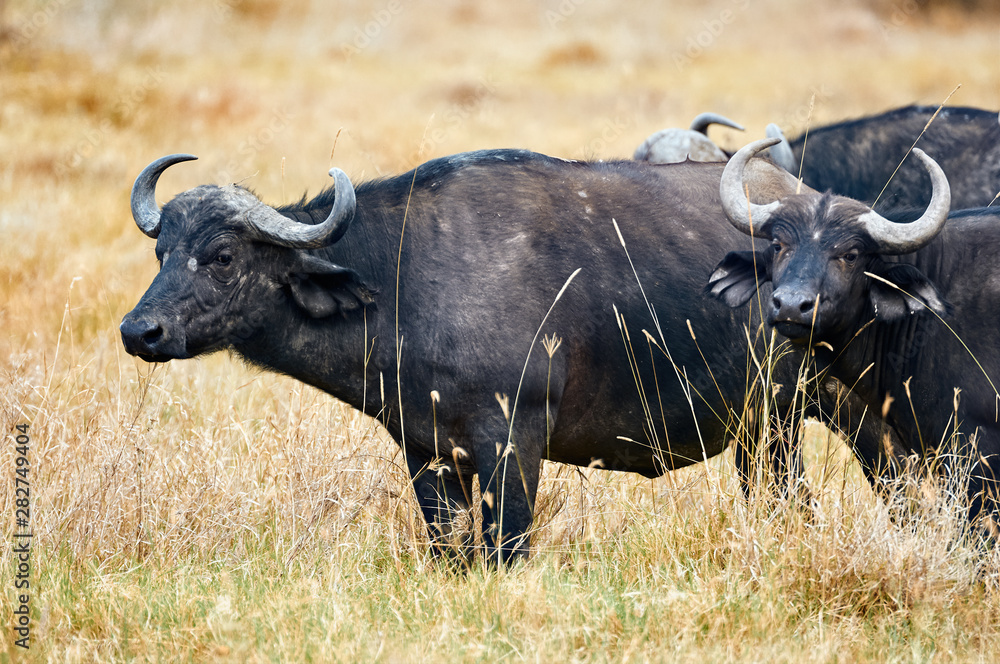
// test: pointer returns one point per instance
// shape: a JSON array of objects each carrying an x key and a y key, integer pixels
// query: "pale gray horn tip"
[
  {"x": 703, "y": 120},
  {"x": 768, "y": 142},
  {"x": 929, "y": 163}
]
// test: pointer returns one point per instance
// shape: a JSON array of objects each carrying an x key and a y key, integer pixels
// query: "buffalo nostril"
[
  {"x": 806, "y": 306},
  {"x": 150, "y": 337},
  {"x": 140, "y": 335},
  {"x": 776, "y": 302}
]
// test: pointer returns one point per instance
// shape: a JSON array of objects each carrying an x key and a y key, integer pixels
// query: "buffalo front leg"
[
  {"x": 442, "y": 494},
  {"x": 875, "y": 444},
  {"x": 508, "y": 481},
  {"x": 984, "y": 488},
  {"x": 768, "y": 456},
  {"x": 773, "y": 461}
]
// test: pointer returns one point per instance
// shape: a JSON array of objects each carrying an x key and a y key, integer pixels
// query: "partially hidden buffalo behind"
[
  {"x": 856, "y": 158},
  {"x": 671, "y": 146},
  {"x": 457, "y": 279},
  {"x": 905, "y": 314}
]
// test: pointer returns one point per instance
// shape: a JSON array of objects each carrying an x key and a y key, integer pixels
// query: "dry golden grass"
[{"x": 202, "y": 511}]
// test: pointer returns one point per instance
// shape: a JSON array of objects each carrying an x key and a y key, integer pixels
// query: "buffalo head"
[
  {"x": 826, "y": 260},
  {"x": 226, "y": 259}
]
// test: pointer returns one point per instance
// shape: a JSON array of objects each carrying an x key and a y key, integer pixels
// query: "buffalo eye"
[
  {"x": 778, "y": 247},
  {"x": 850, "y": 257},
  {"x": 224, "y": 258}
]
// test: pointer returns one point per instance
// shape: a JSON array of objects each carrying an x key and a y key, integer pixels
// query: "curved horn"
[
  {"x": 145, "y": 211},
  {"x": 739, "y": 210},
  {"x": 278, "y": 229},
  {"x": 782, "y": 152},
  {"x": 701, "y": 122},
  {"x": 896, "y": 238}
]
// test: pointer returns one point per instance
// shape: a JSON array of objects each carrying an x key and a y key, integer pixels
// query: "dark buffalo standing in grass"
[
  {"x": 906, "y": 314},
  {"x": 856, "y": 158},
  {"x": 431, "y": 301}
]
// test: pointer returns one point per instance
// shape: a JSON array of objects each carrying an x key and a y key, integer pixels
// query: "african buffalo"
[
  {"x": 443, "y": 302},
  {"x": 856, "y": 158},
  {"x": 669, "y": 146},
  {"x": 905, "y": 314}
]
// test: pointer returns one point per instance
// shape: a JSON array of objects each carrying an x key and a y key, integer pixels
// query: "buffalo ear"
[
  {"x": 738, "y": 276},
  {"x": 907, "y": 292},
  {"x": 322, "y": 288}
]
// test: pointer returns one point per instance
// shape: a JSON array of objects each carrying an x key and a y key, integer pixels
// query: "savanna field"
[{"x": 204, "y": 511}]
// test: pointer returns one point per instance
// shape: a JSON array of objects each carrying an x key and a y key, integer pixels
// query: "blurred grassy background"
[
  {"x": 90, "y": 92},
  {"x": 259, "y": 89},
  {"x": 208, "y": 480}
]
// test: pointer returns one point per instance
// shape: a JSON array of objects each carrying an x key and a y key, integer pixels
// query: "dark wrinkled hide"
[
  {"x": 856, "y": 158},
  {"x": 952, "y": 405},
  {"x": 490, "y": 239}
]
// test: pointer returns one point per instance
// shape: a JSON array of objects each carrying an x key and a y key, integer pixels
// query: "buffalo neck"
[
  {"x": 350, "y": 354},
  {"x": 370, "y": 245},
  {"x": 895, "y": 367}
]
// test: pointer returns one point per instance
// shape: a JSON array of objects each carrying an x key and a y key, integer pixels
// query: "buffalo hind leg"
[{"x": 443, "y": 498}]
